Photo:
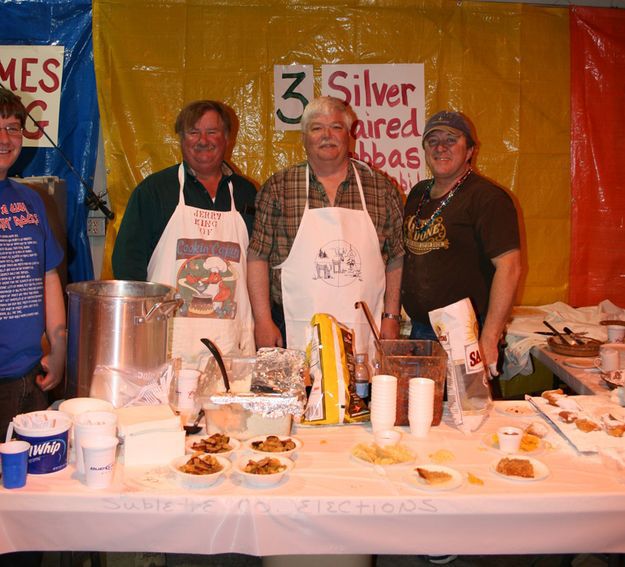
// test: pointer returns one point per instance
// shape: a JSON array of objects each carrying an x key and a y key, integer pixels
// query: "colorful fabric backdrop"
[
  {"x": 507, "y": 66},
  {"x": 58, "y": 22}
]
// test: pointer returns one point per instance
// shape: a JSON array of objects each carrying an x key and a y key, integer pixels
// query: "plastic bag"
[{"x": 468, "y": 394}]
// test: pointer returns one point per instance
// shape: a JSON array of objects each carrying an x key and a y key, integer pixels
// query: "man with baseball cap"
[{"x": 461, "y": 238}]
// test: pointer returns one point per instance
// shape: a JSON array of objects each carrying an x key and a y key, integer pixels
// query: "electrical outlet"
[{"x": 96, "y": 226}]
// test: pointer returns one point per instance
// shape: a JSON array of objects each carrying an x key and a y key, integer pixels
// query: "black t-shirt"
[{"x": 451, "y": 260}]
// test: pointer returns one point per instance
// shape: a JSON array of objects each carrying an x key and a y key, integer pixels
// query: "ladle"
[
  {"x": 210, "y": 345},
  {"x": 195, "y": 427}
]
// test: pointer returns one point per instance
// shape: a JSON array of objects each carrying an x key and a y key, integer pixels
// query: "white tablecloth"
[{"x": 331, "y": 504}]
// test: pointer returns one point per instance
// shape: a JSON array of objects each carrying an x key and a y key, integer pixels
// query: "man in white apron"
[
  {"x": 188, "y": 226},
  {"x": 327, "y": 233}
]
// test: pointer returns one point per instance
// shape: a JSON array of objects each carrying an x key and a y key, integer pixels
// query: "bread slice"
[{"x": 433, "y": 477}]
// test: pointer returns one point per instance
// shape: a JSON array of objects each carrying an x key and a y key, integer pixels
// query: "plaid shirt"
[{"x": 280, "y": 206}]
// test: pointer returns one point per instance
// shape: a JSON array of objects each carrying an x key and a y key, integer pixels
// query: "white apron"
[
  {"x": 335, "y": 261},
  {"x": 203, "y": 254}
]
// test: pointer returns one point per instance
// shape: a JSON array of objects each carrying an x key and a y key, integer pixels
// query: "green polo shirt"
[{"x": 153, "y": 202}]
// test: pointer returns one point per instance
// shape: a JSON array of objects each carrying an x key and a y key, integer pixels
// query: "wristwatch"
[{"x": 391, "y": 316}]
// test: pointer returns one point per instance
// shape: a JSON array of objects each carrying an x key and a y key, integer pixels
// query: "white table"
[
  {"x": 579, "y": 380},
  {"x": 331, "y": 504}
]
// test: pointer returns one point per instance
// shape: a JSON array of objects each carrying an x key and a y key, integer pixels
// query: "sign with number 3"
[{"x": 293, "y": 90}]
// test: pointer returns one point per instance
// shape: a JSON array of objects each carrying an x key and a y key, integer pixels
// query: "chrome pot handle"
[{"x": 164, "y": 307}]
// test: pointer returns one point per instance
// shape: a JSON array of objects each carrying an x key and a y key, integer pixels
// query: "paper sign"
[
  {"x": 389, "y": 102},
  {"x": 293, "y": 90},
  {"x": 35, "y": 74}
]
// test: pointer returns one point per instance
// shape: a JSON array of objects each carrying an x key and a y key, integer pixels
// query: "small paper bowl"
[
  {"x": 234, "y": 443},
  {"x": 250, "y": 445},
  {"x": 196, "y": 481},
  {"x": 387, "y": 437},
  {"x": 264, "y": 479}
]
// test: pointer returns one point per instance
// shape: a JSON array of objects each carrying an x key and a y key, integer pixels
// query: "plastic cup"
[
  {"x": 509, "y": 439},
  {"x": 89, "y": 425},
  {"x": 74, "y": 407},
  {"x": 14, "y": 456},
  {"x": 99, "y": 458}
]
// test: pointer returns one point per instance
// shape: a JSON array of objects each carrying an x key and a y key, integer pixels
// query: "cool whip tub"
[{"x": 47, "y": 433}]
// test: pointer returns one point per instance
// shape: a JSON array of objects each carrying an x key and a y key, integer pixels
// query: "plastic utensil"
[{"x": 210, "y": 345}]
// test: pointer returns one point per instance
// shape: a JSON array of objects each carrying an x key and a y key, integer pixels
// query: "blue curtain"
[{"x": 66, "y": 23}]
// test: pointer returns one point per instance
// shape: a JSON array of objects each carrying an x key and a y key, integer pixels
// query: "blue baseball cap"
[{"x": 449, "y": 121}]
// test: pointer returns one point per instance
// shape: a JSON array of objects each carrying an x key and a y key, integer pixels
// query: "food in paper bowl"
[
  {"x": 274, "y": 444},
  {"x": 265, "y": 471},
  {"x": 216, "y": 444},
  {"x": 199, "y": 470}
]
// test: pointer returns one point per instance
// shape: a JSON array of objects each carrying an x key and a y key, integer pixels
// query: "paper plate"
[
  {"x": 455, "y": 481},
  {"x": 582, "y": 363},
  {"x": 515, "y": 409},
  {"x": 541, "y": 471}
]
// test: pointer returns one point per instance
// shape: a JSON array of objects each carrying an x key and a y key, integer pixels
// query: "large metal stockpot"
[{"x": 116, "y": 324}]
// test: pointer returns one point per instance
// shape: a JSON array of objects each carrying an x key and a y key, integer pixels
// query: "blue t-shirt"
[{"x": 28, "y": 250}]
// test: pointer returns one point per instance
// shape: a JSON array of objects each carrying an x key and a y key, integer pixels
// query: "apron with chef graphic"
[
  {"x": 335, "y": 261},
  {"x": 203, "y": 254}
]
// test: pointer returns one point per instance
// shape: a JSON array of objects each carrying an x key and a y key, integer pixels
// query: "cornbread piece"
[
  {"x": 552, "y": 396},
  {"x": 568, "y": 416},
  {"x": 612, "y": 425},
  {"x": 586, "y": 425},
  {"x": 538, "y": 429},
  {"x": 515, "y": 467},
  {"x": 433, "y": 477}
]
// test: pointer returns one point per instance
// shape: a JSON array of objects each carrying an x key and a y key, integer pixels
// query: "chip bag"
[
  {"x": 468, "y": 394},
  {"x": 333, "y": 397}
]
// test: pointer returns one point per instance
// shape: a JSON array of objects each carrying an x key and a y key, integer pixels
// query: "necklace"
[{"x": 425, "y": 198}]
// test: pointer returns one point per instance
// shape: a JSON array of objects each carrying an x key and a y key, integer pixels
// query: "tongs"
[{"x": 562, "y": 338}]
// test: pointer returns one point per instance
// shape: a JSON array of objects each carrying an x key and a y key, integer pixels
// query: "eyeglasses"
[
  {"x": 448, "y": 142},
  {"x": 14, "y": 131}
]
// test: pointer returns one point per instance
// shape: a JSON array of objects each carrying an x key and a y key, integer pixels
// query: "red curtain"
[{"x": 597, "y": 156}]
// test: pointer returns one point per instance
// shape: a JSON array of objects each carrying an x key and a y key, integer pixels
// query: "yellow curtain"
[{"x": 504, "y": 65}]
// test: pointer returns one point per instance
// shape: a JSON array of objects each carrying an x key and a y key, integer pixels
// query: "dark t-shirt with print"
[{"x": 451, "y": 259}]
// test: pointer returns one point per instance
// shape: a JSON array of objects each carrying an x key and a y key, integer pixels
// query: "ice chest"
[{"x": 408, "y": 359}]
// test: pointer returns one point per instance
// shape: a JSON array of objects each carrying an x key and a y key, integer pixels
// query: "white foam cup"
[
  {"x": 186, "y": 385},
  {"x": 89, "y": 425},
  {"x": 74, "y": 407},
  {"x": 616, "y": 333},
  {"x": 99, "y": 457},
  {"x": 383, "y": 405},
  {"x": 419, "y": 427},
  {"x": 608, "y": 359},
  {"x": 509, "y": 439}
]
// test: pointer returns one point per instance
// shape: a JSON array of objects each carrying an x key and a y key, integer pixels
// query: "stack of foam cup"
[
  {"x": 420, "y": 406},
  {"x": 383, "y": 402},
  {"x": 90, "y": 425}
]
